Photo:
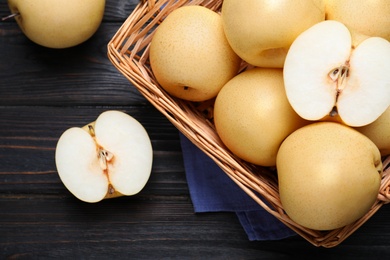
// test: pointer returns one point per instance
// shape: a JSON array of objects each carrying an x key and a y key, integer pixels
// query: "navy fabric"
[{"x": 211, "y": 190}]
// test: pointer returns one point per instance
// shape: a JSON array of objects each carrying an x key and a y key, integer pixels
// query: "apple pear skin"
[
  {"x": 107, "y": 158},
  {"x": 252, "y": 115},
  {"x": 362, "y": 17},
  {"x": 379, "y": 132},
  {"x": 327, "y": 77},
  {"x": 261, "y": 31},
  {"x": 329, "y": 175},
  {"x": 190, "y": 56},
  {"x": 58, "y": 23}
]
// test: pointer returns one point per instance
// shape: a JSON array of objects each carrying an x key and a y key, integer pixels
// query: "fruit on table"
[
  {"x": 58, "y": 23},
  {"x": 329, "y": 175},
  {"x": 107, "y": 158},
  {"x": 190, "y": 56},
  {"x": 379, "y": 132},
  {"x": 328, "y": 78},
  {"x": 362, "y": 17},
  {"x": 252, "y": 115},
  {"x": 261, "y": 31}
]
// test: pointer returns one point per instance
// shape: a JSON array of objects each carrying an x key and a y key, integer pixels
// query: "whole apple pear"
[
  {"x": 252, "y": 115},
  {"x": 329, "y": 175},
  {"x": 261, "y": 31},
  {"x": 379, "y": 132},
  {"x": 190, "y": 56},
  {"x": 362, "y": 17},
  {"x": 58, "y": 23}
]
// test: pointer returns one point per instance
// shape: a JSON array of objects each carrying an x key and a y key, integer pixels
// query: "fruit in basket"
[
  {"x": 58, "y": 23},
  {"x": 362, "y": 17},
  {"x": 107, "y": 158},
  {"x": 329, "y": 175},
  {"x": 252, "y": 115},
  {"x": 379, "y": 132},
  {"x": 328, "y": 78},
  {"x": 261, "y": 31},
  {"x": 190, "y": 56}
]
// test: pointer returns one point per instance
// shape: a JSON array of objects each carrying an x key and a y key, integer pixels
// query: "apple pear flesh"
[
  {"x": 326, "y": 77},
  {"x": 252, "y": 115},
  {"x": 261, "y": 31},
  {"x": 108, "y": 158},
  {"x": 190, "y": 56},
  {"x": 329, "y": 175},
  {"x": 58, "y": 23}
]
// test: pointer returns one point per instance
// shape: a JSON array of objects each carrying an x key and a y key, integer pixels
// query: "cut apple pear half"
[
  {"x": 107, "y": 158},
  {"x": 330, "y": 77}
]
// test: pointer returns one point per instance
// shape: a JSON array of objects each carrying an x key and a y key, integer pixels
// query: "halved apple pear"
[
  {"x": 107, "y": 158},
  {"x": 330, "y": 76}
]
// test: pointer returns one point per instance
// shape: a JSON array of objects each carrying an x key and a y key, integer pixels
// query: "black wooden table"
[{"x": 42, "y": 93}]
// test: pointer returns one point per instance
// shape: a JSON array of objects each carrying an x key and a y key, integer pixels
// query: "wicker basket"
[{"x": 128, "y": 51}]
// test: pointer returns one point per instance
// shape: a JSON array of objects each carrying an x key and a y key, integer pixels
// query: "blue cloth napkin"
[{"x": 211, "y": 190}]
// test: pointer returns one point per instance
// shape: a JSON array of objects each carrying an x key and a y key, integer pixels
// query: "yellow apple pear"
[
  {"x": 261, "y": 31},
  {"x": 362, "y": 17},
  {"x": 58, "y": 23},
  {"x": 190, "y": 56},
  {"x": 252, "y": 115},
  {"x": 379, "y": 132},
  {"x": 329, "y": 175}
]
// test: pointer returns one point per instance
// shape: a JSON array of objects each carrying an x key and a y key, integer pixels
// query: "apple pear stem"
[
  {"x": 10, "y": 16},
  {"x": 91, "y": 130},
  {"x": 333, "y": 112},
  {"x": 111, "y": 189}
]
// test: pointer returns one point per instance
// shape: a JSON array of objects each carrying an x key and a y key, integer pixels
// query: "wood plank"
[{"x": 83, "y": 75}]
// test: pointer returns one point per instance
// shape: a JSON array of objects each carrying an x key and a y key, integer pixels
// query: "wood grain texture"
[{"x": 42, "y": 93}]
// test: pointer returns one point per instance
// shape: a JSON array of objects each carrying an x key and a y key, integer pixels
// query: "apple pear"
[
  {"x": 362, "y": 17},
  {"x": 252, "y": 115},
  {"x": 58, "y": 23},
  {"x": 261, "y": 31},
  {"x": 190, "y": 56},
  {"x": 328, "y": 78},
  {"x": 107, "y": 158},
  {"x": 379, "y": 132},
  {"x": 329, "y": 175}
]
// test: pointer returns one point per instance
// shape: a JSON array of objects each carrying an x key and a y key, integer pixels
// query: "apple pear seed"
[
  {"x": 338, "y": 75},
  {"x": 104, "y": 157}
]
